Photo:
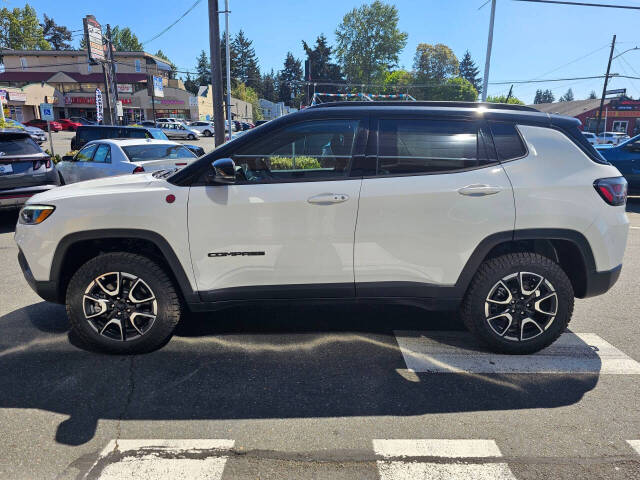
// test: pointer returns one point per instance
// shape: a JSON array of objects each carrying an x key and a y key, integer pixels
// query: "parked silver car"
[
  {"x": 179, "y": 130},
  {"x": 24, "y": 168},
  {"x": 109, "y": 157},
  {"x": 39, "y": 135}
]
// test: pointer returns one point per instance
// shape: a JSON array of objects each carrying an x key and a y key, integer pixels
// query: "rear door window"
[
  {"x": 17, "y": 145},
  {"x": 421, "y": 146},
  {"x": 103, "y": 154}
]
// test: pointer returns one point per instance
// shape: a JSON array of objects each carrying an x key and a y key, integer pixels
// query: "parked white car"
[
  {"x": 106, "y": 158},
  {"x": 502, "y": 213},
  {"x": 612, "y": 138},
  {"x": 179, "y": 130},
  {"x": 591, "y": 137},
  {"x": 204, "y": 127}
]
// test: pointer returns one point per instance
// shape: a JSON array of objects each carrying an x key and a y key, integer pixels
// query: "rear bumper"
[
  {"x": 600, "y": 282},
  {"x": 46, "y": 290},
  {"x": 16, "y": 197}
]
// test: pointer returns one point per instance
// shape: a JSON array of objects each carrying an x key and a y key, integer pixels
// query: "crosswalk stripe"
[
  {"x": 406, "y": 466},
  {"x": 157, "y": 459},
  {"x": 459, "y": 352},
  {"x": 635, "y": 444}
]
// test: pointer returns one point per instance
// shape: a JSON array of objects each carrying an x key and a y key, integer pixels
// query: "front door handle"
[
  {"x": 328, "y": 198},
  {"x": 479, "y": 190}
]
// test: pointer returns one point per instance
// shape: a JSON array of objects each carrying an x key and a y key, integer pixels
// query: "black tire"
[
  {"x": 207, "y": 133},
  {"x": 191, "y": 136},
  {"x": 489, "y": 275},
  {"x": 167, "y": 303}
]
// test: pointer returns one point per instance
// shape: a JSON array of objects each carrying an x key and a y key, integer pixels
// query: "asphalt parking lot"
[{"x": 327, "y": 392}]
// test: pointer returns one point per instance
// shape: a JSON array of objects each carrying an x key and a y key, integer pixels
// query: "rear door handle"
[
  {"x": 328, "y": 198},
  {"x": 479, "y": 190}
]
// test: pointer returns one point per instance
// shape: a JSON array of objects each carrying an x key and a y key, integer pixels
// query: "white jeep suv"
[{"x": 499, "y": 211}]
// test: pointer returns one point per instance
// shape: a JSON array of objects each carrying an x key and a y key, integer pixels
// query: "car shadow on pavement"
[{"x": 255, "y": 363}]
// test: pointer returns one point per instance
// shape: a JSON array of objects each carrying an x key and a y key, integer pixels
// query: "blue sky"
[{"x": 532, "y": 41}]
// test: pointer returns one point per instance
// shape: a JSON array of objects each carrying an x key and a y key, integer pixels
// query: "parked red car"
[
  {"x": 36, "y": 122},
  {"x": 69, "y": 124}
]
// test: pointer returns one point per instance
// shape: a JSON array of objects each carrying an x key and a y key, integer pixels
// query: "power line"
[
  {"x": 170, "y": 26},
  {"x": 581, "y": 4}
]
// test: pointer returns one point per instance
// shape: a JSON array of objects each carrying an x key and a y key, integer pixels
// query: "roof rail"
[{"x": 487, "y": 105}]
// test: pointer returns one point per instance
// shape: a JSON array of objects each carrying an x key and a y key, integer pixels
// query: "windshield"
[
  {"x": 158, "y": 134},
  {"x": 145, "y": 153},
  {"x": 18, "y": 145}
]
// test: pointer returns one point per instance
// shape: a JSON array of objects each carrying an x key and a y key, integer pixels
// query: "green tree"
[
  {"x": 248, "y": 94},
  {"x": 246, "y": 69},
  {"x": 567, "y": 97},
  {"x": 124, "y": 40},
  {"x": 398, "y": 81},
  {"x": 435, "y": 63},
  {"x": 469, "y": 71},
  {"x": 233, "y": 55},
  {"x": 369, "y": 42},
  {"x": 593, "y": 95},
  {"x": 543, "y": 96},
  {"x": 58, "y": 36},
  {"x": 190, "y": 85},
  {"x": 289, "y": 80},
  {"x": 203, "y": 69},
  {"x": 20, "y": 29},
  {"x": 453, "y": 89},
  {"x": 322, "y": 69},
  {"x": 503, "y": 99},
  {"x": 269, "y": 89}
]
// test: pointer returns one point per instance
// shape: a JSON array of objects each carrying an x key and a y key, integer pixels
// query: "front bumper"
[
  {"x": 16, "y": 197},
  {"x": 46, "y": 290}
]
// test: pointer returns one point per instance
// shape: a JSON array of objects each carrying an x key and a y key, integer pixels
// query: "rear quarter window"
[{"x": 507, "y": 140}]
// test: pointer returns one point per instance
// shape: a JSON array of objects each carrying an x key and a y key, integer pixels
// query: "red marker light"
[{"x": 170, "y": 198}]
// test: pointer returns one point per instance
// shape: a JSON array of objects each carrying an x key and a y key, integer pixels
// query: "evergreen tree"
[
  {"x": 567, "y": 97},
  {"x": 190, "y": 85},
  {"x": 469, "y": 71},
  {"x": 269, "y": 88},
  {"x": 593, "y": 95},
  {"x": 544, "y": 96},
  {"x": 203, "y": 70},
  {"x": 322, "y": 69},
  {"x": 20, "y": 30},
  {"x": 289, "y": 78},
  {"x": 160, "y": 54},
  {"x": 124, "y": 40},
  {"x": 58, "y": 36},
  {"x": 247, "y": 69},
  {"x": 537, "y": 99}
]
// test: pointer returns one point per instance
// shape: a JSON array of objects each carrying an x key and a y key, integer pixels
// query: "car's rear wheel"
[
  {"x": 207, "y": 133},
  {"x": 191, "y": 136},
  {"x": 122, "y": 303},
  {"x": 518, "y": 303}
]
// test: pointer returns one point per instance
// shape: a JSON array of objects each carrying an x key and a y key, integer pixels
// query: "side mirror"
[
  {"x": 224, "y": 171},
  {"x": 67, "y": 158}
]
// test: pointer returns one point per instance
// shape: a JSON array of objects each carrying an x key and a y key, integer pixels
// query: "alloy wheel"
[
  {"x": 119, "y": 306},
  {"x": 521, "y": 306}
]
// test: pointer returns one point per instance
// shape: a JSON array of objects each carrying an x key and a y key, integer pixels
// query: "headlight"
[{"x": 35, "y": 214}]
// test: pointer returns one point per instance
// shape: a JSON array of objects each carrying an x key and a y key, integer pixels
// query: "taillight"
[
  {"x": 45, "y": 161},
  {"x": 138, "y": 170},
  {"x": 612, "y": 190},
  {"x": 37, "y": 164}
]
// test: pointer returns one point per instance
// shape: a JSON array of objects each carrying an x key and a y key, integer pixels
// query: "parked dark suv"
[
  {"x": 24, "y": 169},
  {"x": 86, "y": 133}
]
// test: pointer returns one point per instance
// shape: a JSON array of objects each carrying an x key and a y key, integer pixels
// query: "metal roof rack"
[{"x": 487, "y": 105}]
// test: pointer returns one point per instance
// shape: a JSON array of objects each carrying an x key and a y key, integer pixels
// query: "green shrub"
[{"x": 286, "y": 163}]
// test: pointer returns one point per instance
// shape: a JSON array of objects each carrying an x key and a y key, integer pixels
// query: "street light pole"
[
  {"x": 228, "y": 56},
  {"x": 487, "y": 63},
  {"x": 604, "y": 89}
]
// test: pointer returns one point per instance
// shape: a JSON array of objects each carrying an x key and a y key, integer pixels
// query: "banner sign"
[
  {"x": 93, "y": 38},
  {"x": 99, "y": 107},
  {"x": 154, "y": 86}
]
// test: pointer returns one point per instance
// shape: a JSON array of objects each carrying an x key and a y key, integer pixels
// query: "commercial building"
[
  {"x": 620, "y": 114},
  {"x": 240, "y": 110},
  {"x": 271, "y": 110}
]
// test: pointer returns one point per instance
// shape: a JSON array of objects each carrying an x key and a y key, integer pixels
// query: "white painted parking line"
[
  {"x": 635, "y": 444},
  {"x": 405, "y": 465},
  {"x": 151, "y": 459},
  {"x": 459, "y": 352},
  {"x": 634, "y": 228}
]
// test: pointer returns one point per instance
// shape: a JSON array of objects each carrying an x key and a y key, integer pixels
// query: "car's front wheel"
[
  {"x": 191, "y": 136},
  {"x": 122, "y": 302},
  {"x": 518, "y": 303},
  {"x": 207, "y": 133}
]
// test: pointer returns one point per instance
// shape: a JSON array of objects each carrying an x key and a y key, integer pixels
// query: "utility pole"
[
  {"x": 604, "y": 89},
  {"x": 114, "y": 82},
  {"x": 216, "y": 73},
  {"x": 228, "y": 57},
  {"x": 510, "y": 93},
  {"x": 487, "y": 63},
  {"x": 107, "y": 97}
]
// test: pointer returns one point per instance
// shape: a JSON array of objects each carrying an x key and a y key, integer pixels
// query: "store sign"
[
  {"x": 167, "y": 101},
  {"x": 620, "y": 91},
  {"x": 125, "y": 88},
  {"x": 69, "y": 100},
  {"x": 3, "y": 95},
  {"x": 99, "y": 107},
  {"x": 17, "y": 96},
  {"x": 93, "y": 39},
  {"x": 625, "y": 105}
]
